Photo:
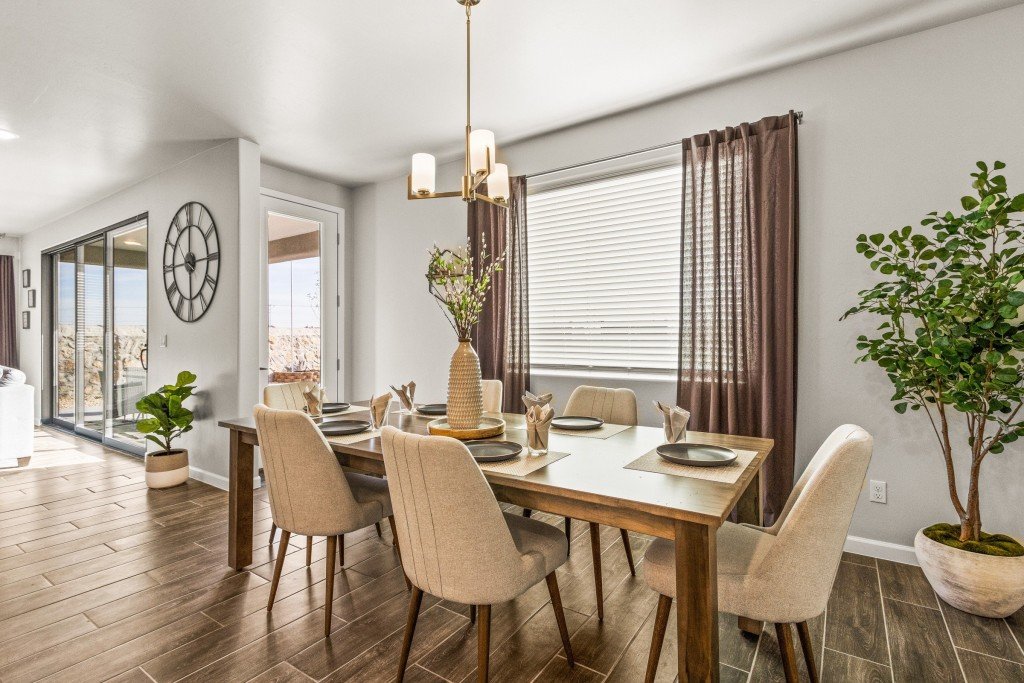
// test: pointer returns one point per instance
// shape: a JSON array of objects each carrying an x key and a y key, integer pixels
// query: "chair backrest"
[
  {"x": 286, "y": 396},
  {"x": 454, "y": 539},
  {"x": 617, "y": 406},
  {"x": 802, "y": 562},
  {"x": 493, "y": 394},
  {"x": 309, "y": 493}
]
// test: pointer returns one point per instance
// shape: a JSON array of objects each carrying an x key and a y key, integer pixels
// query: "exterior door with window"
[{"x": 300, "y": 312}]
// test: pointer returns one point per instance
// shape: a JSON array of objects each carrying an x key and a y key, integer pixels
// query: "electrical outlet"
[{"x": 877, "y": 494}]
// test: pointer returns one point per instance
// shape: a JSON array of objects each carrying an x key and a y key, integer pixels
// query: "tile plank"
[{"x": 921, "y": 649}]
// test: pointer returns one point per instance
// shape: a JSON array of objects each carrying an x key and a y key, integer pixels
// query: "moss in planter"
[{"x": 999, "y": 545}]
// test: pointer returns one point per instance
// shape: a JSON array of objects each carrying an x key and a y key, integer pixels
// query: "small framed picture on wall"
[
  {"x": 26, "y": 278},
  {"x": 31, "y": 298},
  {"x": 26, "y": 320}
]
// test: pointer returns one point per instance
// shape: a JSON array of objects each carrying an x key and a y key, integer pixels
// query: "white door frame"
[{"x": 332, "y": 281}]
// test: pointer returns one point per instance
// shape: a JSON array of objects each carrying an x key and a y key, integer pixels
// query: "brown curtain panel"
[
  {"x": 8, "y": 314},
  {"x": 502, "y": 338},
  {"x": 737, "y": 335}
]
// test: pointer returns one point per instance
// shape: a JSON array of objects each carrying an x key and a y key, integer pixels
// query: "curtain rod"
[{"x": 799, "y": 119}]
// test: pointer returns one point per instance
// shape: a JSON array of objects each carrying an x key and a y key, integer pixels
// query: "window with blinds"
[{"x": 604, "y": 262}]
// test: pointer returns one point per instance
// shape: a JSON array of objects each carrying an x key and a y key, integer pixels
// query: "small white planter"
[
  {"x": 986, "y": 585},
  {"x": 166, "y": 469}
]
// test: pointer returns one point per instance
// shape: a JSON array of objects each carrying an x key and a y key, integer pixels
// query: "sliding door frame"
[{"x": 51, "y": 318}]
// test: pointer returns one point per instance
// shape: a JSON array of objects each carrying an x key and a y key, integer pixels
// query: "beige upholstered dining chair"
[
  {"x": 311, "y": 494},
  {"x": 758, "y": 566},
  {"x": 289, "y": 396},
  {"x": 459, "y": 545},
  {"x": 493, "y": 394},
  {"x": 615, "y": 406}
]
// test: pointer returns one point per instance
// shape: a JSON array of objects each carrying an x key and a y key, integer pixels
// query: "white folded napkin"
[
  {"x": 379, "y": 409},
  {"x": 406, "y": 395},
  {"x": 531, "y": 399},
  {"x": 675, "y": 421},
  {"x": 538, "y": 424}
]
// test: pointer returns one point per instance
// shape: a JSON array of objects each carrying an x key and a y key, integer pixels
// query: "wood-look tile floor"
[{"x": 102, "y": 579}]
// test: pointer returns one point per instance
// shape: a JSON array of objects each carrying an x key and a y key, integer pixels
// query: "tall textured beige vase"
[{"x": 465, "y": 392}]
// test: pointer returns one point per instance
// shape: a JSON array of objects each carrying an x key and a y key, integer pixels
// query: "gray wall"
[
  {"x": 225, "y": 179},
  {"x": 891, "y": 132}
]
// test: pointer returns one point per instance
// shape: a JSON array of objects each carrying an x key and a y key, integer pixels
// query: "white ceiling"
[{"x": 106, "y": 92}]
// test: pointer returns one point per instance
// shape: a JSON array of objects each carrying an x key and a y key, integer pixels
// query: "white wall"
[
  {"x": 225, "y": 179},
  {"x": 891, "y": 132}
]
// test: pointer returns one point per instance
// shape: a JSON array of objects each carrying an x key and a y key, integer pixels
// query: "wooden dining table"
[{"x": 590, "y": 484}]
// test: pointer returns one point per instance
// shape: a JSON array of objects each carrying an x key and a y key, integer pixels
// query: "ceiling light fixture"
[
  {"x": 480, "y": 159},
  {"x": 7, "y": 135}
]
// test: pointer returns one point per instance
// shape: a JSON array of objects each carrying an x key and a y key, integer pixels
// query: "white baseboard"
[
  {"x": 884, "y": 550},
  {"x": 216, "y": 480}
]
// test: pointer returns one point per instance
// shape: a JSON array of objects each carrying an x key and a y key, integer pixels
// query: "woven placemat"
[
  {"x": 523, "y": 464},
  {"x": 354, "y": 438},
  {"x": 728, "y": 474},
  {"x": 603, "y": 432}
]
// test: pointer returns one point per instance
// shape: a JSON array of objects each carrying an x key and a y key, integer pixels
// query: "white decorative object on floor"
[
  {"x": 986, "y": 585},
  {"x": 17, "y": 421}
]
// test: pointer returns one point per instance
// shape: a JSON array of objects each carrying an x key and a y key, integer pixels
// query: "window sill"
[{"x": 605, "y": 375}]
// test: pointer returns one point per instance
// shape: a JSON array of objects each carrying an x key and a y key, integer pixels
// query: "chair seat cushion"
[
  {"x": 737, "y": 547},
  {"x": 534, "y": 536},
  {"x": 367, "y": 489}
]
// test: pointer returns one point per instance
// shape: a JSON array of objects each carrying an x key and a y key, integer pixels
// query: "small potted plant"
[
  {"x": 168, "y": 419},
  {"x": 460, "y": 288},
  {"x": 951, "y": 340}
]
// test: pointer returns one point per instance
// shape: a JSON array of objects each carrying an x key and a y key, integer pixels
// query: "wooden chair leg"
[
  {"x": 341, "y": 551},
  {"x": 410, "y": 627},
  {"x": 563, "y": 630},
  {"x": 808, "y": 648},
  {"x": 483, "y": 643},
  {"x": 472, "y": 614},
  {"x": 332, "y": 542},
  {"x": 595, "y": 549},
  {"x": 658, "y": 639},
  {"x": 273, "y": 531},
  {"x": 309, "y": 550},
  {"x": 629, "y": 551},
  {"x": 785, "y": 636},
  {"x": 282, "y": 550},
  {"x": 568, "y": 533},
  {"x": 380, "y": 534},
  {"x": 398, "y": 549},
  {"x": 527, "y": 512}
]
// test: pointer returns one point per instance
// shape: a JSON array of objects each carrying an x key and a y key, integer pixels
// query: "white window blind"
[{"x": 604, "y": 262}]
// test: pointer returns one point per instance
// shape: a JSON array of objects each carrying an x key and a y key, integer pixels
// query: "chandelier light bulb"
[{"x": 423, "y": 173}]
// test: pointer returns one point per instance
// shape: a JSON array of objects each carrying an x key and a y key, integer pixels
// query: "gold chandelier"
[{"x": 480, "y": 159}]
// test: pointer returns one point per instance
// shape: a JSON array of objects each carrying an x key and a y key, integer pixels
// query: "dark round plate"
[
  {"x": 493, "y": 451},
  {"x": 696, "y": 454},
  {"x": 336, "y": 407},
  {"x": 577, "y": 423},
  {"x": 432, "y": 409},
  {"x": 344, "y": 427}
]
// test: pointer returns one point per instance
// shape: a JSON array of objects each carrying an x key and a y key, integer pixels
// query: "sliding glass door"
[{"x": 100, "y": 334}]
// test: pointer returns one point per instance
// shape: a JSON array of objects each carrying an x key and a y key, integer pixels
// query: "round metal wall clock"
[{"x": 191, "y": 262}]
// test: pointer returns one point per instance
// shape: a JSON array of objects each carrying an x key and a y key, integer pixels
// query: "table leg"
[
  {"x": 697, "y": 602},
  {"x": 240, "y": 502},
  {"x": 748, "y": 511}
]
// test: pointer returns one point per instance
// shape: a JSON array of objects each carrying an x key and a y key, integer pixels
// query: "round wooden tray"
[{"x": 489, "y": 426}]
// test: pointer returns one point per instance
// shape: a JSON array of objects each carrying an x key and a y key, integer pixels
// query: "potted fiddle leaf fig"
[
  {"x": 951, "y": 340},
  {"x": 168, "y": 419}
]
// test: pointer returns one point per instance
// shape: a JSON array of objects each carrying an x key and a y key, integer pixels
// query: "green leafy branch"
[{"x": 951, "y": 338}]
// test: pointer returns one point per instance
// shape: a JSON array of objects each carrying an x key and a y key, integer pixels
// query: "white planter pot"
[
  {"x": 164, "y": 470},
  {"x": 986, "y": 585}
]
